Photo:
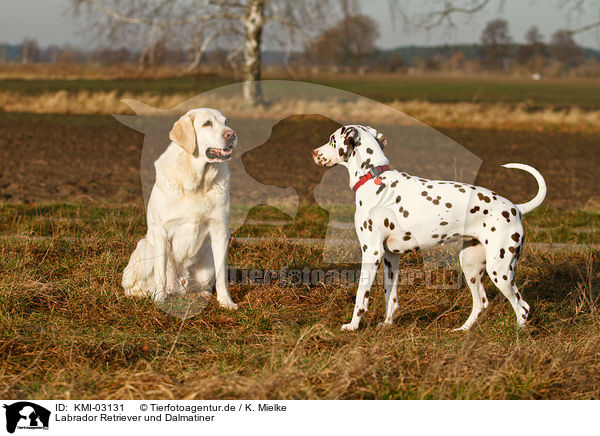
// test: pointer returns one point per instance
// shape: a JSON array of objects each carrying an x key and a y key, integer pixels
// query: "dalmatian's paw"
[{"x": 349, "y": 327}]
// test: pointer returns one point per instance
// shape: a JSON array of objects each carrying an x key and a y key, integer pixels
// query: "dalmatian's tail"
[{"x": 539, "y": 198}]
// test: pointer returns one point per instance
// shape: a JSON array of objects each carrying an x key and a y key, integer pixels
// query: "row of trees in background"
[
  {"x": 239, "y": 28},
  {"x": 350, "y": 46},
  {"x": 499, "y": 53},
  {"x": 30, "y": 52}
]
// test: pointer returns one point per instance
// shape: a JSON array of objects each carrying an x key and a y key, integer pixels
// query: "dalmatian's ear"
[
  {"x": 378, "y": 136},
  {"x": 351, "y": 137},
  {"x": 382, "y": 140}
]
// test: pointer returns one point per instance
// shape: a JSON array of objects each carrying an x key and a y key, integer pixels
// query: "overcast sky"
[{"x": 50, "y": 23}]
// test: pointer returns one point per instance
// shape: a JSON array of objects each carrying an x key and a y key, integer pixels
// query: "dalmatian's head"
[{"x": 345, "y": 141}]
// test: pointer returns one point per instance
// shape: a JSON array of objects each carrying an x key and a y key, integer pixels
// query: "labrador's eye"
[{"x": 207, "y": 124}]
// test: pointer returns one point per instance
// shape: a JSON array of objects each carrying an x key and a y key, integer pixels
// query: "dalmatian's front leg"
[
  {"x": 391, "y": 275},
  {"x": 370, "y": 262}
]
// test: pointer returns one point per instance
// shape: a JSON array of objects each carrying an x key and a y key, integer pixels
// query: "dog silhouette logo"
[{"x": 26, "y": 415}]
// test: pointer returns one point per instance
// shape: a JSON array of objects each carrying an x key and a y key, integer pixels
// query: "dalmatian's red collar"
[{"x": 373, "y": 173}]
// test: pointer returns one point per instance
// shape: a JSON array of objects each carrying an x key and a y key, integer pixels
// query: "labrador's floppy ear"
[{"x": 184, "y": 134}]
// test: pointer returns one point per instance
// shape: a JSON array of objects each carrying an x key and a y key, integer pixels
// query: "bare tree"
[
  {"x": 30, "y": 51},
  {"x": 564, "y": 49},
  {"x": 253, "y": 24},
  {"x": 155, "y": 54},
  {"x": 495, "y": 44},
  {"x": 239, "y": 23},
  {"x": 350, "y": 43},
  {"x": 395, "y": 62},
  {"x": 51, "y": 54},
  {"x": 533, "y": 36},
  {"x": 436, "y": 14},
  {"x": 534, "y": 52},
  {"x": 582, "y": 11},
  {"x": 442, "y": 13}
]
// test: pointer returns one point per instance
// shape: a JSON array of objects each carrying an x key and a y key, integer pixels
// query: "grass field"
[
  {"x": 504, "y": 103},
  {"x": 71, "y": 212},
  {"x": 566, "y": 93},
  {"x": 68, "y": 332}
]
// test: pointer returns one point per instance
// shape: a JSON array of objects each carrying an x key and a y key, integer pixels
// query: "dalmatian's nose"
[{"x": 315, "y": 153}]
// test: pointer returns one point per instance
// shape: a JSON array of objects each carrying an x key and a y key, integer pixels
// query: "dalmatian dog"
[{"x": 398, "y": 213}]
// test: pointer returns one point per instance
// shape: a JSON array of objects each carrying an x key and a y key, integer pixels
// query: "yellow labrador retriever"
[{"x": 185, "y": 248}]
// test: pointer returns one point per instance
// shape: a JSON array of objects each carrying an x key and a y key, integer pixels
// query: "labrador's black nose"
[{"x": 229, "y": 135}]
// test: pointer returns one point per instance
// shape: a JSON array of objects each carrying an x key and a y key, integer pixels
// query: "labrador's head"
[{"x": 204, "y": 133}]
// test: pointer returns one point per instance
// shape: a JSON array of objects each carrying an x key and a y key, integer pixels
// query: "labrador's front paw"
[
  {"x": 228, "y": 304},
  {"x": 159, "y": 296}
]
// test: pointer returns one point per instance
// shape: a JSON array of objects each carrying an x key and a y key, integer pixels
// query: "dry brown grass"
[
  {"x": 16, "y": 70},
  {"x": 67, "y": 331},
  {"x": 469, "y": 115}
]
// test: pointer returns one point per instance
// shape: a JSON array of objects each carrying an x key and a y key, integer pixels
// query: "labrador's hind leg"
[{"x": 138, "y": 274}]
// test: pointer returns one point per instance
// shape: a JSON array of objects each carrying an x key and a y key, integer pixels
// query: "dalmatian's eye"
[{"x": 207, "y": 124}]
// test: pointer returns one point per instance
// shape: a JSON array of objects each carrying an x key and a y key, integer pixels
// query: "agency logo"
[{"x": 26, "y": 415}]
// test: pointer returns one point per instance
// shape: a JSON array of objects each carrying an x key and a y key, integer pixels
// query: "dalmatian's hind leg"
[
  {"x": 501, "y": 264},
  {"x": 472, "y": 262}
]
